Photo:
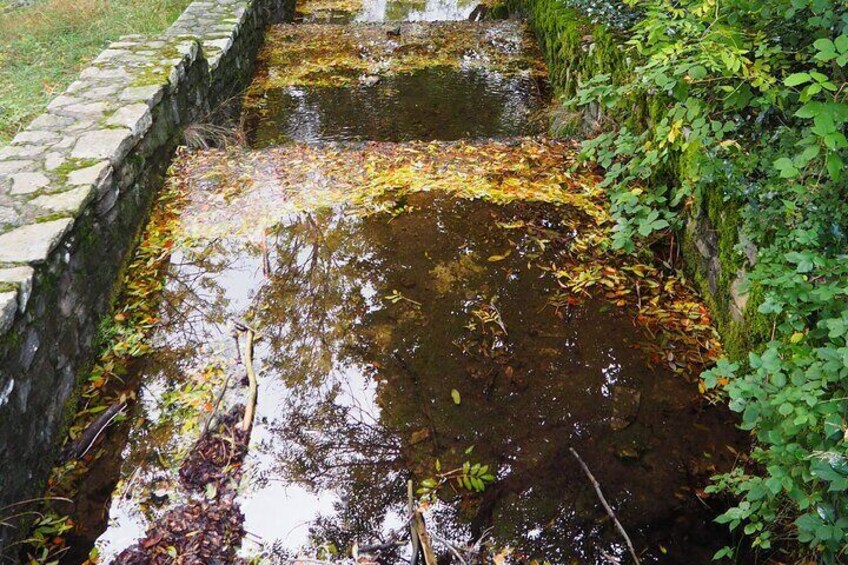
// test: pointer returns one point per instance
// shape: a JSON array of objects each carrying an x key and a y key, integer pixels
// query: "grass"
[{"x": 44, "y": 46}]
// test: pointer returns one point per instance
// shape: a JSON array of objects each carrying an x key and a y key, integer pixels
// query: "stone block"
[
  {"x": 112, "y": 144},
  {"x": 136, "y": 117},
  {"x": 8, "y": 308},
  {"x": 27, "y": 183},
  {"x": 33, "y": 243},
  {"x": 22, "y": 277},
  {"x": 71, "y": 201},
  {"x": 90, "y": 175}
]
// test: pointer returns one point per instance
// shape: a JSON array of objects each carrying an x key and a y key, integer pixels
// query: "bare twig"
[
  {"x": 453, "y": 549},
  {"x": 218, "y": 400},
  {"x": 606, "y": 505}
]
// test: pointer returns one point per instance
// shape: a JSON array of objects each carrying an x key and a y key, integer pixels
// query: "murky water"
[
  {"x": 368, "y": 326},
  {"x": 426, "y": 104},
  {"x": 449, "y": 80},
  {"x": 403, "y": 343}
]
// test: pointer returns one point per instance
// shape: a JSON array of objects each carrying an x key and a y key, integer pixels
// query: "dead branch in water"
[
  {"x": 413, "y": 534},
  {"x": 250, "y": 409},
  {"x": 606, "y": 505},
  {"x": 424, "y": 538},
  {"x": 92, "y": 433}
]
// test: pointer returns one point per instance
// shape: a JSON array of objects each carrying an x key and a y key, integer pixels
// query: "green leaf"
[
  {"x": 797, "y": 79},
  {"x": 835, "y": 166},
  {"x": 457, "y": 399}
]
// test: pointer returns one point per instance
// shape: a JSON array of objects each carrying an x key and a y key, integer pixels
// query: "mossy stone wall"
[
  {"x": 577, "y": 49},
  {"x": 76, "y": 188}
]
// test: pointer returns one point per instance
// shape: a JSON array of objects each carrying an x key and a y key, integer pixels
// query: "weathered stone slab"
[
  {"x": 150, "y": 95},
  {"x": 13, "y": 166},
  {"x": 90, "y": 175},
  {"x": 21, "y": 277},
  {"x": 27, "y": 183},
  {"x": 136, "y": 117},
  {"x": 111, "y": 144},
  {"x": 8, "y": 307},
  {"x": 35, "y": 137},
  {"x": 33, "y": 243},
  {"x": 70, "y": 201}
]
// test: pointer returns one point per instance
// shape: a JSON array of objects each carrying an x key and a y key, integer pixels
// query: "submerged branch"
[
  {"x": 606, "y": 505},
  {"x": 250, "y": 409}
]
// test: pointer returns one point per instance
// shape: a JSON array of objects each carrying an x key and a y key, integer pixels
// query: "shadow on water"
[
  {"x": 429, "y": 104},
  {"x": 368, "y": 326}
]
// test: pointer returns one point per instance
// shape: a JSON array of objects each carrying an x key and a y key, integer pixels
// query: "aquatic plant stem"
[
  {"x": 606, "y": 505},
  {"x": 250, "y": 409}
]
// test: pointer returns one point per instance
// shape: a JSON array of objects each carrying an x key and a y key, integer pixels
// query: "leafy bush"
[{"x": 753, "y": 107}]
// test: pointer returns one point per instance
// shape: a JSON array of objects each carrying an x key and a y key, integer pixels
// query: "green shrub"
[{"x": 752, "y": 98}]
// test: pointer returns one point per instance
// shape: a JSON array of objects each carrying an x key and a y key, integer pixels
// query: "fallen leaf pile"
[
  {"x": 242, "y": 194},
  {"x": 208, "y": 528}
]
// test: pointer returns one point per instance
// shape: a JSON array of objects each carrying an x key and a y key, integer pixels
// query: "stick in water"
[
  {"x": 250, "y": 410},
  {"x": 606, "y": 505}
]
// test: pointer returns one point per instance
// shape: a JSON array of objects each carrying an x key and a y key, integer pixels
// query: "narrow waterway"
[{"x": 431, "y": 284}]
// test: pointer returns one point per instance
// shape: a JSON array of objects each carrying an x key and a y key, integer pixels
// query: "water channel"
[{"x": 413, "y": 253}]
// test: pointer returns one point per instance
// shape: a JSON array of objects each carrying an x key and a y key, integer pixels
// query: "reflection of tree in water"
[{"x": 539, "y": 384}]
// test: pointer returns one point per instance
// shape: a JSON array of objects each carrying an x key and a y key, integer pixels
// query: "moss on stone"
[
  {"x": 70, "y": 165},
  {"x": 576, "y": 50}
]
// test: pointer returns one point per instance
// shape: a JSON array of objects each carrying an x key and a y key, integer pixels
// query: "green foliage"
[
  {"x": 573, "y": 46},
  {"x": 470, "y": 477},
  {"x": 753, "y": 101}
]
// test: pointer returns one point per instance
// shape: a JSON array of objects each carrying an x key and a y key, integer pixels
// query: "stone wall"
[{"x": 75, "y": 189}]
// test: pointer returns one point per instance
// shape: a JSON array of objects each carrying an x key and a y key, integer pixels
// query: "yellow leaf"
[{"x": 496, "y": 258}]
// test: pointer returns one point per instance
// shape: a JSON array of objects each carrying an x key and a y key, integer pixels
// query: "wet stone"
[{"x": 625, "y": 406}]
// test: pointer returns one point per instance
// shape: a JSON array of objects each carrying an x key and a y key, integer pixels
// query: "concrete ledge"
[{"x": 75, "y": 189}]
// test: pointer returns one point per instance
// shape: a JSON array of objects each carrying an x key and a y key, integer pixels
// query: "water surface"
[{"x": 368, "y": 326}]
